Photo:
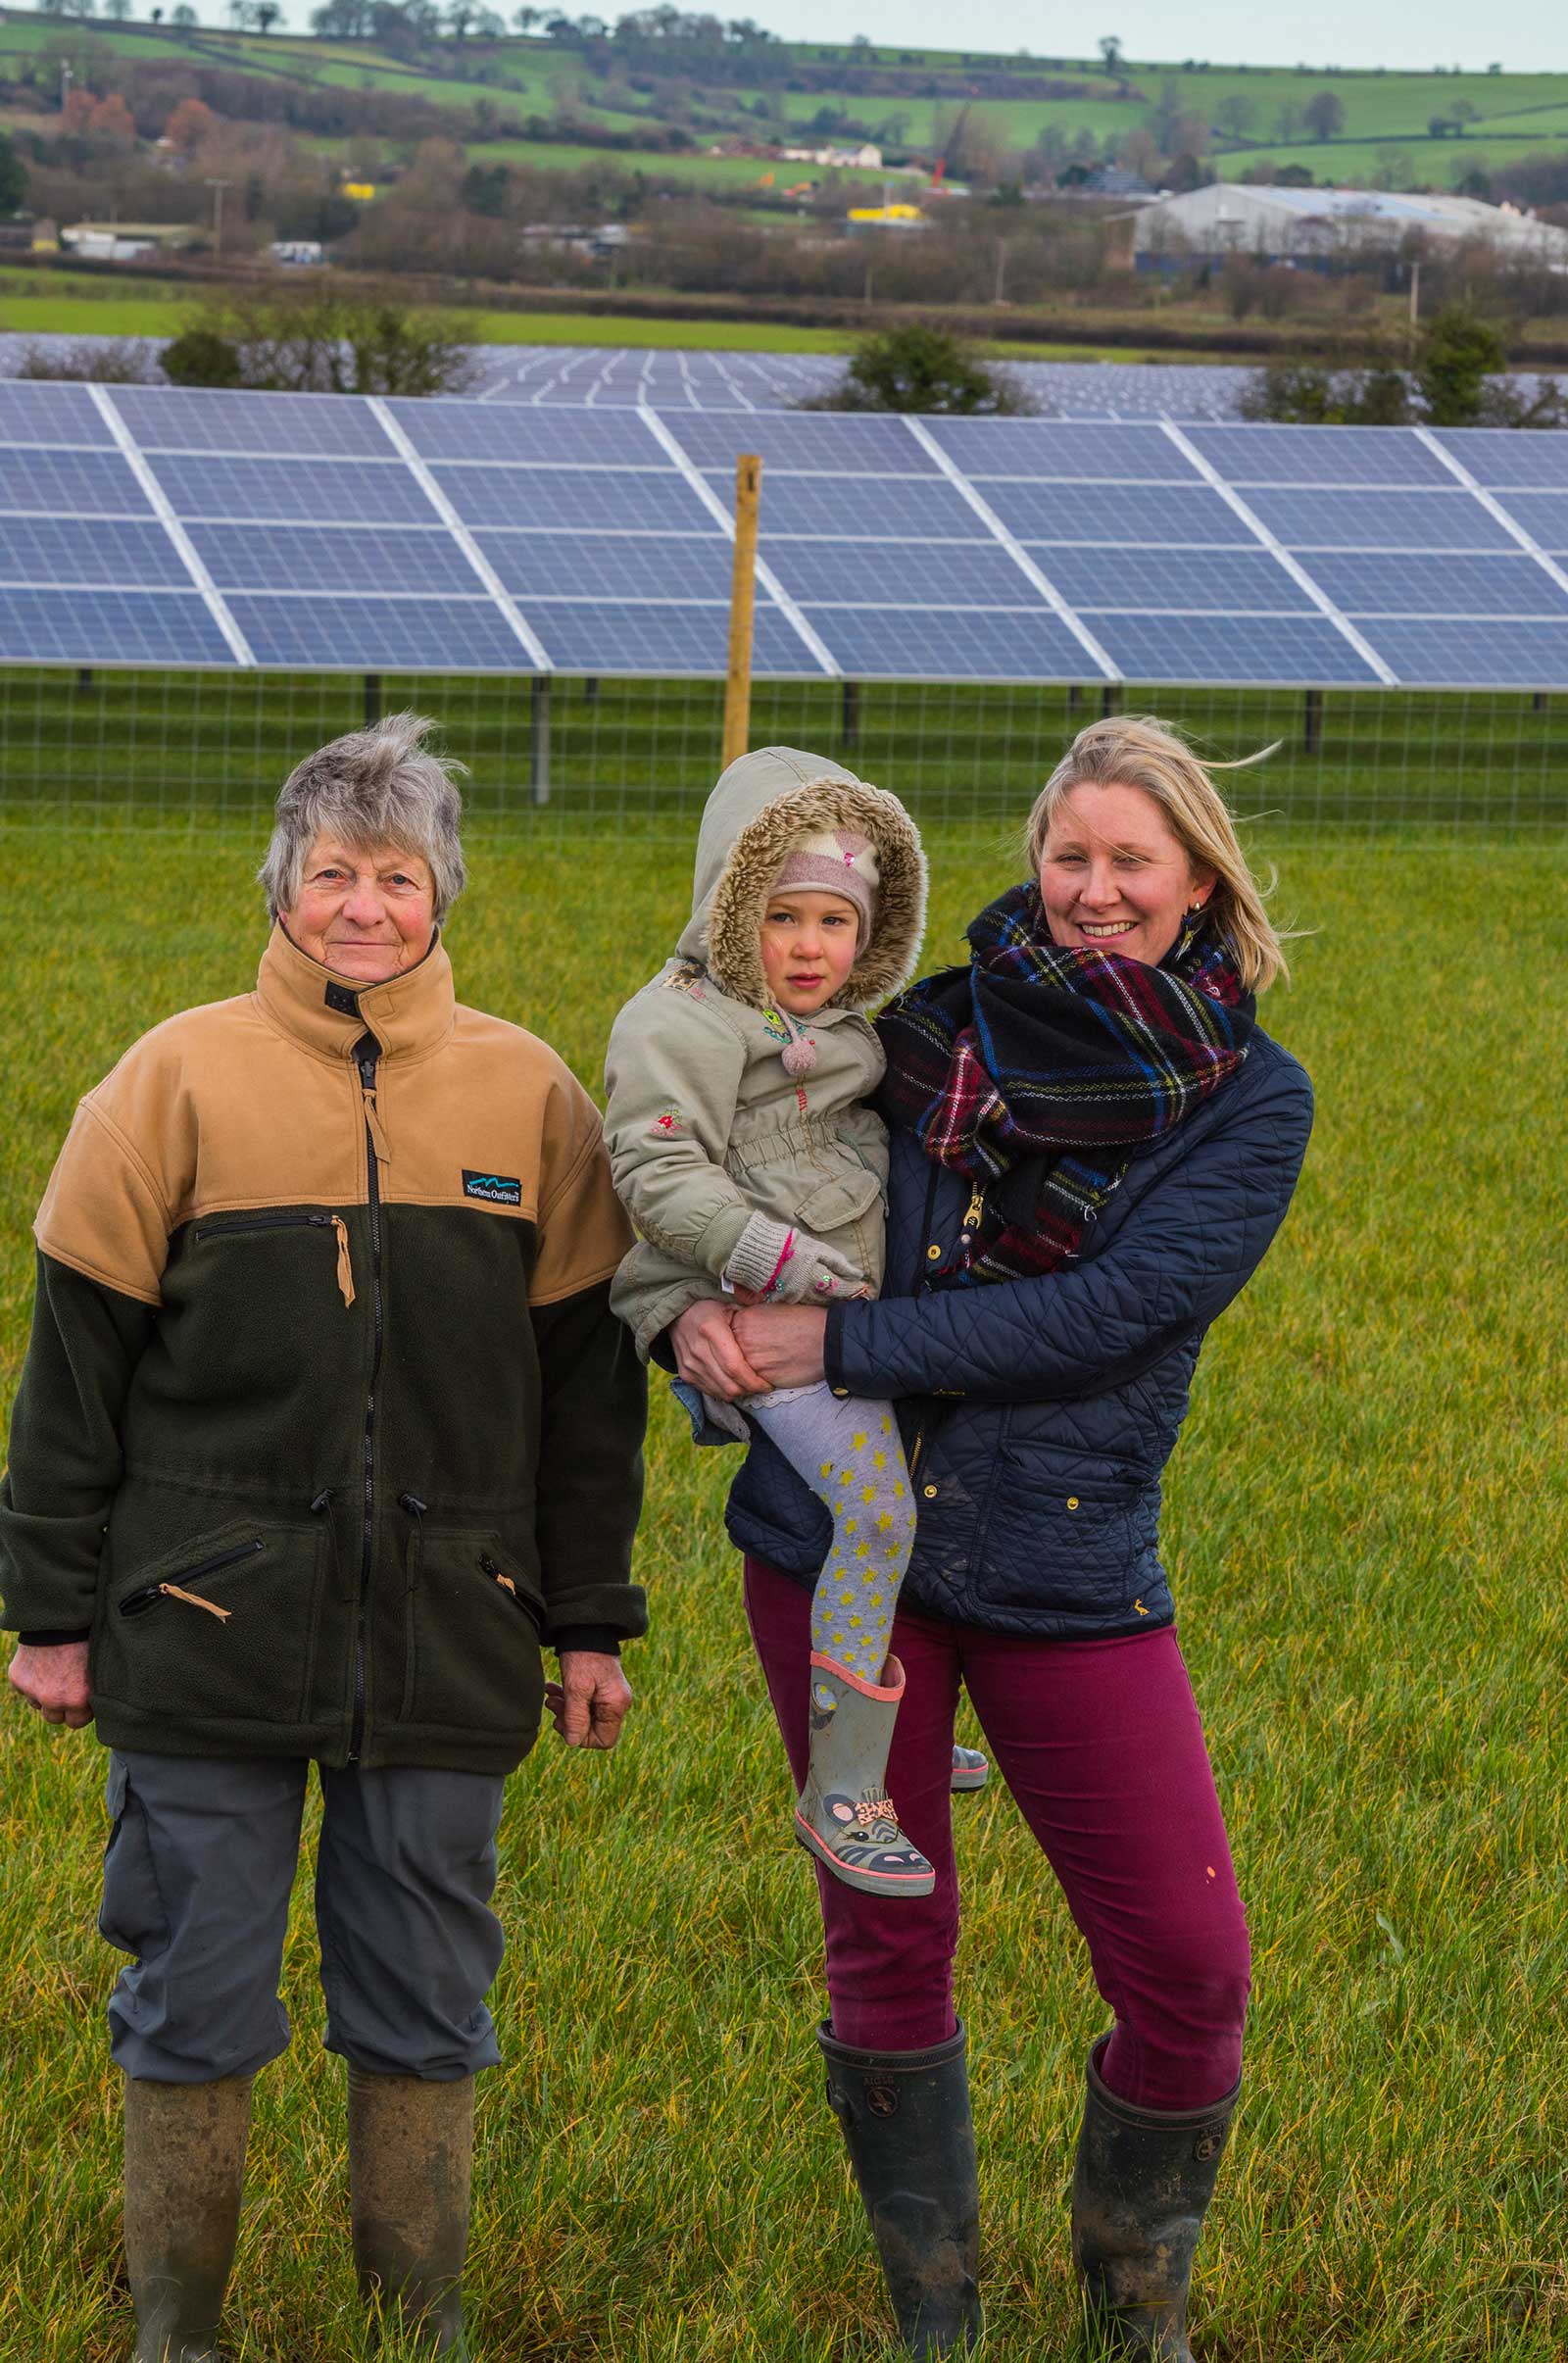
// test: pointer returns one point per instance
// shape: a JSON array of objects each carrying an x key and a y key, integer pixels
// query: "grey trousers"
[{"x": 197, "y": 1872}]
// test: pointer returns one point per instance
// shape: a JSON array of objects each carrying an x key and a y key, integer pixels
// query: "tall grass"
[{"x": 1367, "y": 1526}]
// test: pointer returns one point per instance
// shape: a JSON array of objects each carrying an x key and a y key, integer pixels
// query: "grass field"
[
  {"x": 1366, "y": 1523},
  {"x": 87, "y": 308}
]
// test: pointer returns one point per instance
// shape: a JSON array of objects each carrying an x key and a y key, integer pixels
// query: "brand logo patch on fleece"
[{"x": 496, "y": 1188}]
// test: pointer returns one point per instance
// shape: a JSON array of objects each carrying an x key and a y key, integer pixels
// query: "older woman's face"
[
  {"x": 363, "y": 913},
  {"x": 1114, "y": 876}
]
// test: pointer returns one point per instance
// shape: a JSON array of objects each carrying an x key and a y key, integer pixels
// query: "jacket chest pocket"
[
  {"x": 471, "y": 1627},
  {"x": 842, "y": 1200},
  {"x": 224, "y": 1627}
]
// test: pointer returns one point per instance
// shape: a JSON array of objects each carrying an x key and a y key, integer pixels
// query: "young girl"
[{"x": 744, "y": 1151}]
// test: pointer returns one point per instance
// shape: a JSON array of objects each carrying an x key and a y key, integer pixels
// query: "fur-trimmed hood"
[{"x": 761, "y": 805}]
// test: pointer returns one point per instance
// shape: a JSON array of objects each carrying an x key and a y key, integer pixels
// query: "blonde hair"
[{"x": 1138, "y": 751}]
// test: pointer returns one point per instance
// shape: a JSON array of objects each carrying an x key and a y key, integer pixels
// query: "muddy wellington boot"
[
  {"x": 1143, "y": 2182},
  {"x": 905, "y": 2117},
  {"x": 184, "y": 2169},
  {"x": 411, "y": 2166},
  {"x": 970, "y": 1770},
  {"x": 844, "y": 1815}
]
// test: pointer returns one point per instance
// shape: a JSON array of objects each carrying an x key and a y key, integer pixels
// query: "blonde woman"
[{"x": 1093, "y": 1145}]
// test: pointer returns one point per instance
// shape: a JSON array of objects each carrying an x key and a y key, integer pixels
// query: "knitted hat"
[{"x": 837, "y": 861}]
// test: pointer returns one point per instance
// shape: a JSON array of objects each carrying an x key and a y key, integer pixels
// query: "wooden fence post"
[{"x": 742, "y": 599}]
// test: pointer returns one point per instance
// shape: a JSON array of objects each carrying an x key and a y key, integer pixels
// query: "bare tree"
[
  {"x": 1236, "y": 114},
  {"x": 1324, "y": 115}
]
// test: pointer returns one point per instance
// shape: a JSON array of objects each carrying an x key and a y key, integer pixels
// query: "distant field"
[
  {"x": 94, "y": 309},
  {"x": 519, "y": 76}
]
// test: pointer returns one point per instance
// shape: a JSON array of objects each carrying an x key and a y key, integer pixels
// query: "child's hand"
[{"x": 781, "y": 1266}]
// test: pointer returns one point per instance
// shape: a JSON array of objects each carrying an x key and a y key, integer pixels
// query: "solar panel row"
[
  {"x": 160, "y": 525},
  {"x": 601, "y": 379}
]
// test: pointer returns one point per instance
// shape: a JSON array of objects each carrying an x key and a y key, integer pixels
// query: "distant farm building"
[
  {"x": 863, "y": 158},
  {"x": 1322, "y": 227},
  {"x": 128, "y": 241}
]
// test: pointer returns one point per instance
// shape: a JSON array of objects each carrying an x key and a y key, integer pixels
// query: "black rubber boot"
[
  {"x": 185, "y": 2170},
  {"x": 1142, "y": 2184},
  {"x": 906, "y": 2120},
  {"x": 410, "y": 2165}
]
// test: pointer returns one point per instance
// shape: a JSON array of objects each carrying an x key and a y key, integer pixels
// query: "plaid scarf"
[{"x": 1036, "y": 1071}]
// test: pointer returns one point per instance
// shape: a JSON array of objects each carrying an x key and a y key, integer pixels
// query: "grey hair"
[{"x": 380, "y": 786}]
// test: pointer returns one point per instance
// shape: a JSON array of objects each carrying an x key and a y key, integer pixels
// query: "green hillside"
[{"x": 993, "y": 111}]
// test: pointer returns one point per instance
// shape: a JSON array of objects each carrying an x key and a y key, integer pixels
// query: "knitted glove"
[{"x": 789, "y": 1266}]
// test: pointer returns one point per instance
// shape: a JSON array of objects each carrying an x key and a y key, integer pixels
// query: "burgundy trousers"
[{"x": 1100, "y": 1744}]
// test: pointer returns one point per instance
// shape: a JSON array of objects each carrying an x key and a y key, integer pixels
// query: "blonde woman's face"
[{"x": 1114, "y": 876}]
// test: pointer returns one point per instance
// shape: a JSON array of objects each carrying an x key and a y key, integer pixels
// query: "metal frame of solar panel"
[{"x": 161, "y": 526}]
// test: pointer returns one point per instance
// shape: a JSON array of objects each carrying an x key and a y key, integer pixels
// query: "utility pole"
[
  {"x": 1415, "y": 294},
  {"x": 218, "y": 187},
  {"x": 67, "y": 78},
  {"x": 1001, "y": 272}
]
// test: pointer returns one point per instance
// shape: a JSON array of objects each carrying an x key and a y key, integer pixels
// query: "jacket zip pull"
[
  {"x": 320, "y": 1507},
  {"x": 345, "y": 1269},
  {"x": 497, "y": 1577},
  {"x": 972, "y": 1212},
  {"x": 195, "y": 1601},
  {"x": 372, "y": 1118}
]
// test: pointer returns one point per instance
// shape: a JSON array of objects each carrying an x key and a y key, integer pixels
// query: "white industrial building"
[{"x": 1324, "y": 225}]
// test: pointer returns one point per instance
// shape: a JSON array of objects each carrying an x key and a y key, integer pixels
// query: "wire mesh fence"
[{"x": 195, "y": 751}]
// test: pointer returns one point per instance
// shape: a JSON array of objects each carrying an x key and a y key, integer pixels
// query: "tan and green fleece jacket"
[{"x": 326, "y": 1422}]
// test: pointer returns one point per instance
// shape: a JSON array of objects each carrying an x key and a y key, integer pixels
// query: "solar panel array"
[
  {"x": 633, "y": 377},
  {"x": 157, "y": 526}
]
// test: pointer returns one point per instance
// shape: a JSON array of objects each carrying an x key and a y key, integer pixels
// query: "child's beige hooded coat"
[{"x": 705, "y": 1126}]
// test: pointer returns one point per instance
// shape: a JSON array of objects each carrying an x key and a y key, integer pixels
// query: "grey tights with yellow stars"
[{"x": 849, "y": 1454}]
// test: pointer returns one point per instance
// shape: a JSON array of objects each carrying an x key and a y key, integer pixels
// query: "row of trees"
[{"x": 1455, "y": 377}]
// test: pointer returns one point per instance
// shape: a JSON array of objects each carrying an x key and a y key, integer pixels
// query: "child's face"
[{"x": 809, "y": 943}]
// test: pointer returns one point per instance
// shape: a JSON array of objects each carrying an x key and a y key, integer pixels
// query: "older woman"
[
  {"x": 326, "y": 1426},
  {"x": 1094, "y": 1145}
]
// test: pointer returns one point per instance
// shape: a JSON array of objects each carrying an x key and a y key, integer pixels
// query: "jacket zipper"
[
  {"x": 917, "y": 1284},
  {"x": 136, "y": 1604},
  {"x": 971, "y": 1224},
  {"x": 291, "y": 1222},
  {"x": 261, "y": 1222},
  {"x": 367, "y": 1051},
  {"x": 499, "y": 1575}
]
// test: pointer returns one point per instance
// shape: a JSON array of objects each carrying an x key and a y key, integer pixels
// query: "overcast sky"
[{"x": 1530, "y": 36}]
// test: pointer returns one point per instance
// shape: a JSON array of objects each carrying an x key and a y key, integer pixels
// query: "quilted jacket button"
[
  {"x": 933, "y": 1253},
  {"x": 930, "y": 1491},
  {"x": 841, "y": 1393},
  {"x": 1072, "y": 1501}
]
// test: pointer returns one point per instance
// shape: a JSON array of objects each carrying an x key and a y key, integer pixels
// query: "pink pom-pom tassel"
[{"x": 800, "y": 1057}]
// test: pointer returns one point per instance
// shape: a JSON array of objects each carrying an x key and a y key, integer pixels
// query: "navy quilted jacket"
[{"x": 1039, "y": 1415}]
